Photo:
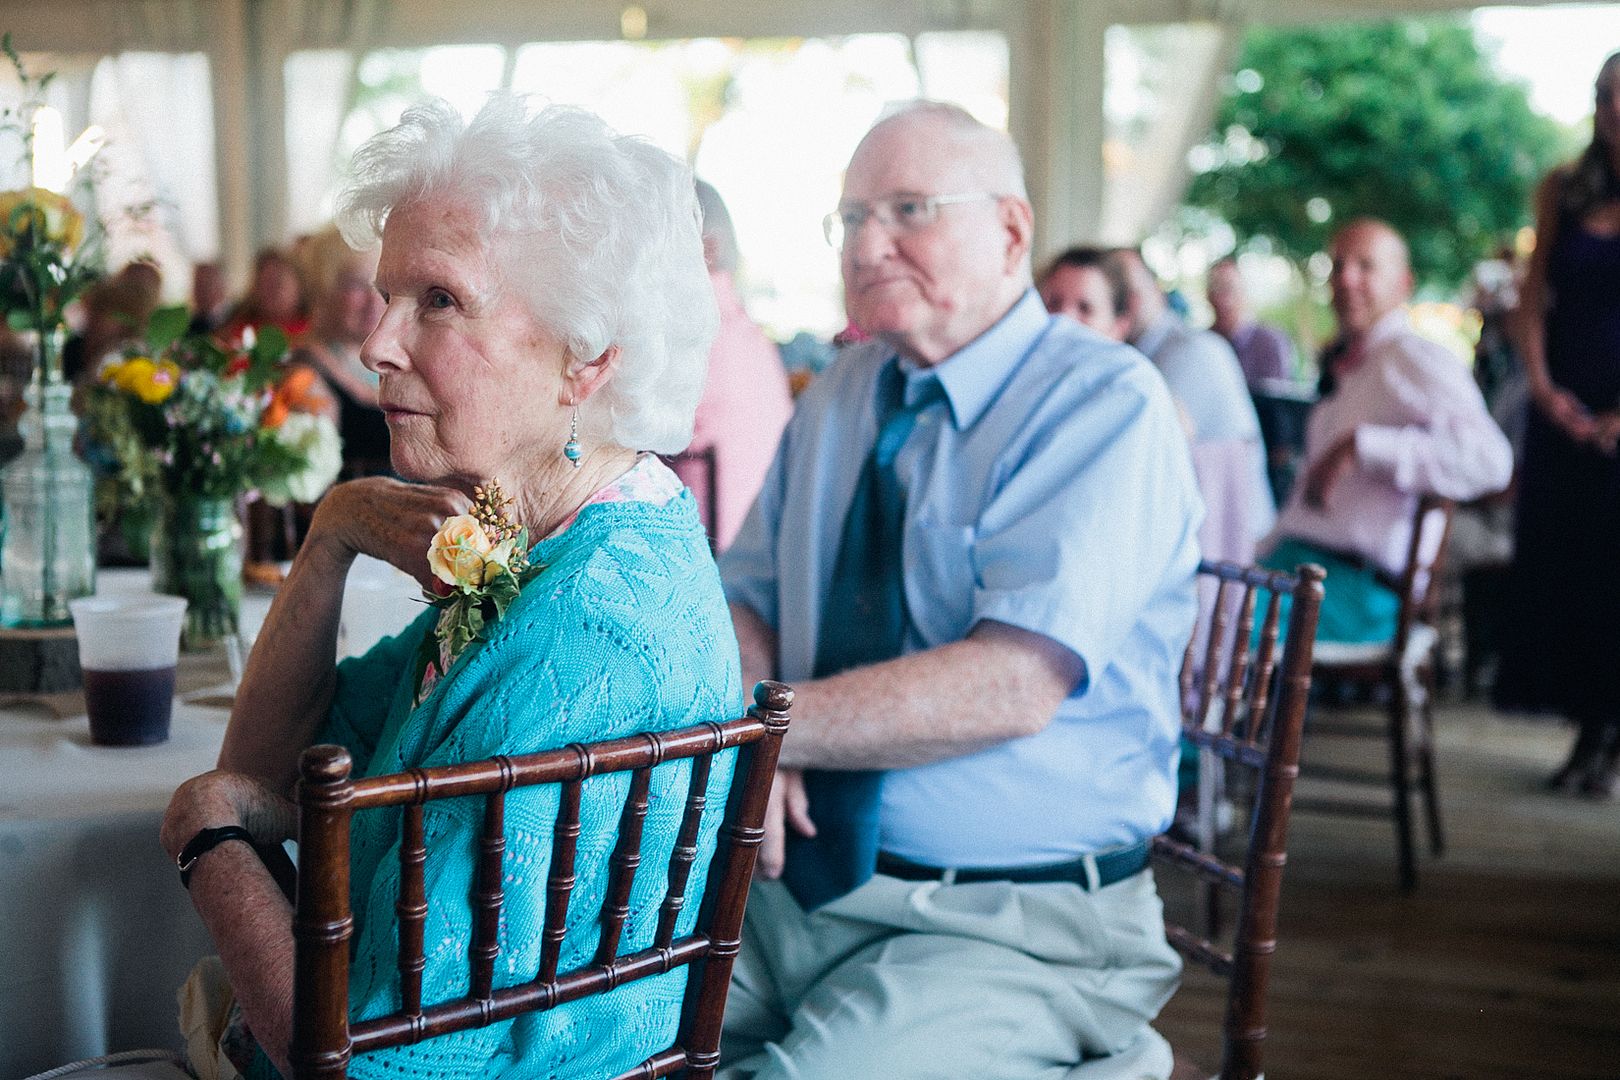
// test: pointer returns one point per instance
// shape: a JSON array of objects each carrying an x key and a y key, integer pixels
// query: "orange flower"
[{"x": 299, "y": 391}]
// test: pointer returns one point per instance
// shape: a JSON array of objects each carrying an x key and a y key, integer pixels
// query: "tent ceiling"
[{"x": 1056, "y": 47}]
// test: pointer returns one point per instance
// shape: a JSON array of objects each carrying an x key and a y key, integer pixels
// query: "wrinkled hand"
[
  {"x": 1328, "y": 470},
  {"x": 227, "y": 798},
  {"x": 1566, "y": 411},
  {"x": 789, "y": 806},
  {"x": 388, "y": 520}
]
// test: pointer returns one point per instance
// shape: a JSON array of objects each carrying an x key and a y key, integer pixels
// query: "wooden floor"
[{"x": 1505, "y": 963}]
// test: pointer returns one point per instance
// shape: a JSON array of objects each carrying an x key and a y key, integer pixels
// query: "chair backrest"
[
  {"x": 1419, "y": 585},
  {"x": 323, "y": 1040},
  {"x": 1241, "y": 707}
]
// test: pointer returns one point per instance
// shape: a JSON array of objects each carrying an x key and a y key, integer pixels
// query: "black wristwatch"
[{"x": 205, "y": 841}]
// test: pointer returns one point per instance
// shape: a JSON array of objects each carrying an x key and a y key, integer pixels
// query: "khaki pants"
[{"x": 915, "y": 981}]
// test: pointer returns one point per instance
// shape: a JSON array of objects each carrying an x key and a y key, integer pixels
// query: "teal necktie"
[{"x": 862, "y": 622}]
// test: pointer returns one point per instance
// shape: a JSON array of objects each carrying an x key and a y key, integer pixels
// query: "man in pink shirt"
[
  {"x": 745, "y": 403},
  {"x": 1404, "y": 419}
]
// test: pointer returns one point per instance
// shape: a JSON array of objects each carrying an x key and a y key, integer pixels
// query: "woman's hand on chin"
[{"x": 386, "y": 519}]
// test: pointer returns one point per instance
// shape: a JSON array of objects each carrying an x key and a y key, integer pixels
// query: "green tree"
[{"x": 1406, "y": 121}]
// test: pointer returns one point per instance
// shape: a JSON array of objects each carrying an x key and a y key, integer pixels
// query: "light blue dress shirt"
[{"x": 1050, "y": 488}]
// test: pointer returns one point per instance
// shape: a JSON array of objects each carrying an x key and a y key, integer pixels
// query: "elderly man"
[
  {"x": 1403, "y": 419},
  {"x": 1206, "y": 382},
  {"x": 973, "y": 558}
]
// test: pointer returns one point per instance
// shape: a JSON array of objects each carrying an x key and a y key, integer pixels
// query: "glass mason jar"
[
  {"x": 197, "y": 554},
  {"x": 48, "y": 551}
]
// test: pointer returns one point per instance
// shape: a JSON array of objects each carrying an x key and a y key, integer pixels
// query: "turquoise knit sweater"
[{"x": 624, "y": 631}]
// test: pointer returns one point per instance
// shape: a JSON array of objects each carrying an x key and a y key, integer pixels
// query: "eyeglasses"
[{"x": 897, "y": 213}]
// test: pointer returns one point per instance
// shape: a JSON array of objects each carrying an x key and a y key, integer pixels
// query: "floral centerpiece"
[
  {"x": 191, "y": 425},
  {"x": 48, "y": 554}
]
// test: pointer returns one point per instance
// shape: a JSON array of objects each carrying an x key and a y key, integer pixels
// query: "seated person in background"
[
  {"x": 344, "y": 309},
  {"x": 1206, "y": 382},
  {"x": 275, "y": 297},
  {"x": 541, "y": 277},
  {"x": 210, "y": 301},
  {"x": 116, "y": 310},
  {"x": 1087, "y": 286},
  {"x": 1404, "y": 419},
  {"x": 746, "y": 402},
  {"x": 1264, "y": 353},
  {"x": 974, "y": 558}
]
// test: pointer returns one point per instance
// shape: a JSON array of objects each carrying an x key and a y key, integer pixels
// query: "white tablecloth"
[{"x": 99, "y": 931}]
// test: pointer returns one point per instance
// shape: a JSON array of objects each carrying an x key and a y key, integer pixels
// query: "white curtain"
[
  {"x": 319, "y": 92},
  {"x": 158, "y": 115}
]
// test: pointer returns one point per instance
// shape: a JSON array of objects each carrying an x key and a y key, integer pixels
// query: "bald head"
[
  {"x": 977, "y": 153},
  {"x": 1372, "y": 274}
]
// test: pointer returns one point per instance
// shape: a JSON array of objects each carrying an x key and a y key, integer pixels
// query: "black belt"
[{"x": 1091, "y": 872}]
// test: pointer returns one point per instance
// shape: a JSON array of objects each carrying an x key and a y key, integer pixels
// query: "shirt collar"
[{"x": 973, "y": 375}]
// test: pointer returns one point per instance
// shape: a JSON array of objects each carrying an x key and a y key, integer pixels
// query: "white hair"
[{"x": 600, "y": 232}]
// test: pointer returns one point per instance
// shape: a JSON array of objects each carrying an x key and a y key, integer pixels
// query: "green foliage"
[
  {"x": 194, "y": 421},
  {"x": 1403, "y": 121}
]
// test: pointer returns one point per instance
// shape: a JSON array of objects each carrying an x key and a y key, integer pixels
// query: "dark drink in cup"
[
  {"x": 129, "y": 708},
  {"x": 128, "y": 648}
]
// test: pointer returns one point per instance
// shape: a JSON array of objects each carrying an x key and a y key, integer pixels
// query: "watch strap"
[{"x": 205, "y": 841}]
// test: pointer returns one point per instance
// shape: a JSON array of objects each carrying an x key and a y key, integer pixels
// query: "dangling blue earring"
[{"x": 571, "y": 447}]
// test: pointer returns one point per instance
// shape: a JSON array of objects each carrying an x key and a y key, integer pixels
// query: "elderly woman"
[{"x": 546, "y": 318}]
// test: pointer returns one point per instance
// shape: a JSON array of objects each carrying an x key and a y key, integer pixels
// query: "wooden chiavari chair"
[
  {"x": 1244, "y": 707},
  {"x": 323, "y": 1040}
]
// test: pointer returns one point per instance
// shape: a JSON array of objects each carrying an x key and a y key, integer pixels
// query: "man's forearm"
[{"x": 1000, "y": 683}]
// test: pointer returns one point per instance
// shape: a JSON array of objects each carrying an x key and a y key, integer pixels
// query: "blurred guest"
[
  {"x": 1496, "y": 297},
  {"x": 1404, "y": 420},
  {"x": 1206, "y": 382},
  {"x": 344, "y": 309},
  {"x": 116, "y": 310},
  {"x": 1084, "y": 284},
  {"x": 746, "y": 402},
  {"x": 210, "y": 300},
  {"x": 1263, "y": 352},
  {"x": 1564, "y": 618},
  {"x": 275, "y": 298}
]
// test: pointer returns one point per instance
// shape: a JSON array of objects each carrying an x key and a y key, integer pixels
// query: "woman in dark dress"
[{"x": 1563, "y": 647}]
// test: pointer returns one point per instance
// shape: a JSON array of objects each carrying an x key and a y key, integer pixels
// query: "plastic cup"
[{"x": 129, "y": 646}]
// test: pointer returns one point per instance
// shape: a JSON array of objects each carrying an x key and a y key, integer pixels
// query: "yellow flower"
[
  {"x": 154, "y": 389},
  {"x": 132, "y": 372},
  {"x": 459, "y": 551},
  {"x": 151, "y": 382},
  {"x": 51, "y": 216}
]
